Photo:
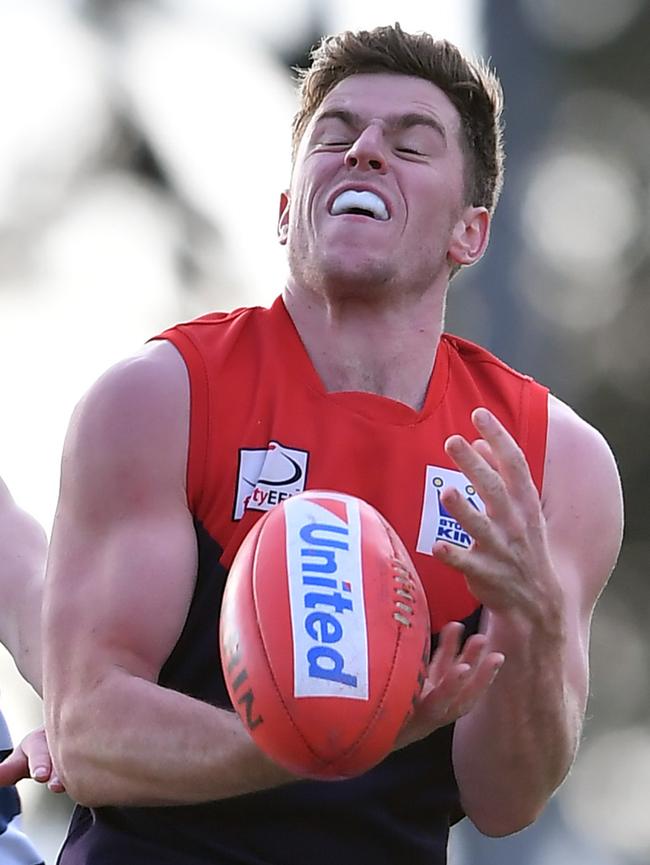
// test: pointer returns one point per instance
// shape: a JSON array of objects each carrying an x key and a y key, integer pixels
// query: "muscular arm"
[
  {"x": 23, "y": 548},
  {"x": 120, "y": 578},
  {"x": 538, "y": 569}
]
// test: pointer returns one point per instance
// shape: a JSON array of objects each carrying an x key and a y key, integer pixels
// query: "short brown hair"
[{"x": 472, "y": 87}]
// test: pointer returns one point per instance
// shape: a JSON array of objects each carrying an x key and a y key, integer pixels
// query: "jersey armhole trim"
[{"x": 199, "y": 427}]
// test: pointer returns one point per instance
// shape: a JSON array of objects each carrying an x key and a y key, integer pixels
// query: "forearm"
[
  {"x": 517, "y": 744},
  {"x": 131, "y": 742},
  {"x": 538, "y": 562},
  {"x": 23, "y": 549}
]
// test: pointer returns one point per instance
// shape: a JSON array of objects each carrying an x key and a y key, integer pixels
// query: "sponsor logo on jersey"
[
  {"x": 328, "y": 617},
  {"x": 436, "y": 524},
  {"x": 267, "y": 476}
]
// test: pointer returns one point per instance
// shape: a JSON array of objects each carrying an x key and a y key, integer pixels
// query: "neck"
[{"x": 386, "y": 348}]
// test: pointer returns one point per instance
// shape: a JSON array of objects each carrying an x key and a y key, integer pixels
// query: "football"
[{"x": 324, "y": 635}]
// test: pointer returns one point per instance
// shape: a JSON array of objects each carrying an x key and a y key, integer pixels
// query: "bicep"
[
  {"x": 119, "y": 596},
  {"x": 582, "y": 502},
  {"x": 583, "y": 508},
  {"x": 122, "y": 559}
]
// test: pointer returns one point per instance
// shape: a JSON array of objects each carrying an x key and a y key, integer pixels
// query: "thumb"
[{"x": 14, "y": 768}]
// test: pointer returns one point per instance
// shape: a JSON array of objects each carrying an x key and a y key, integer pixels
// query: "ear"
[
  {"x": 283, "y": 218},
  {"x": 470, "y": 236}
]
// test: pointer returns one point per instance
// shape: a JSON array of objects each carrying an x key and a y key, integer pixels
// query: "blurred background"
[{"x": 144, "y": 145}]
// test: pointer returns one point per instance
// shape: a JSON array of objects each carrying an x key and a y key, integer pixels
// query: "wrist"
[{"x": 542, "y": 625}]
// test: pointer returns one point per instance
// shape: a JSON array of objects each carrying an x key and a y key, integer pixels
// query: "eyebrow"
[{"x": 396, "y": 121}]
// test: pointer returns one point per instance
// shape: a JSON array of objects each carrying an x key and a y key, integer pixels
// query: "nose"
[{"x": 368, "y": 151}]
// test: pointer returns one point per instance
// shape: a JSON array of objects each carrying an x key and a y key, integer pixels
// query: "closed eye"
[{"x": 410, "y": 150}]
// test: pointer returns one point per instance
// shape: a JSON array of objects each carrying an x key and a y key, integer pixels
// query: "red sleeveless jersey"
[{"x": 263, "y": 427}]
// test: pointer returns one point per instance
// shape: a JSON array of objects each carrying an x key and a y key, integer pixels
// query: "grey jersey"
[{"x": 15, "y": 847}]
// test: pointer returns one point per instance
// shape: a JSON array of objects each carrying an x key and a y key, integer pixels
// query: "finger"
[
  {"x": 434, "y": 709},
  {"x": 14, "y": 768},
  {"x": 482, "y": 569},
  {"x": 438, "y": 704},
  {"x": 454, "y": 696},
  {"x": 474, "y": 650},
  {"x": 55, "y": 785},
  {"x": 488, "y": 482},
  {"x": 475, "y": 685},
  {"x": 448, "y": 647},
  {"x": 450, "y": 554},
  {"x": 464, "y": 684},
  {"x": 34, "y": 747},
  {"x": 484, "y": 449},
  {"x": 39, "y": 760},
  {"x": 475, "y": 522},
  {"x": 511, "y": 461}
]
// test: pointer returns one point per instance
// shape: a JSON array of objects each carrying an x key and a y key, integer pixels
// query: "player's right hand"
[{"x": 457, "y": 678}]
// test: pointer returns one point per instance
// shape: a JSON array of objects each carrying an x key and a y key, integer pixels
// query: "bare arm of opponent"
[{"x": 23, "y": 548}]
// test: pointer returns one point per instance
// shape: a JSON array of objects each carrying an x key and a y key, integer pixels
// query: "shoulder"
[
  {"x": 129, "y": 432},
  {"x": 217, "y": 331},
  {"x": 135, "y": 394},
  {"x": 155, "y": 374},
  {"x": 511, "y": 392},
  {"x": 470, "y": 353},
  {"x": 215, "y": 325},
  {"x": 578, "y": 452},
  {"x": 582, "y": 498}
]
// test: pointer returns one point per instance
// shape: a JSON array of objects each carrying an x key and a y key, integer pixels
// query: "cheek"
[
  {"x": 442, "y": 207},
  {"x": 432, "y": 237},
  {"x": 433, "y": 222},
  {"x": 301, "y": 219},
  {"x": 309, "y": 204},
  {"x": 297, "y": 209}
]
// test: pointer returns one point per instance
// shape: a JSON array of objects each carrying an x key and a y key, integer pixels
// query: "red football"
[{"x": 324, "y": 634}]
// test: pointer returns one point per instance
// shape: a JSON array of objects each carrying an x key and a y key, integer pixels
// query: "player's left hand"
[
  {"x": 508, "y": 566},
  {"x": 31, "y": 759}
]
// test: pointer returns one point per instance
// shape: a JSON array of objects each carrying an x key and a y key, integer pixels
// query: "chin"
[{"x": 362, "y": 277}]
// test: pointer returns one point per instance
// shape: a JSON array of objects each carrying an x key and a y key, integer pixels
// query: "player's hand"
[
  {"x": 508, "y": 566},
  {"x": 31, "y": 759},
  {"x": 456, "y": 679}
]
